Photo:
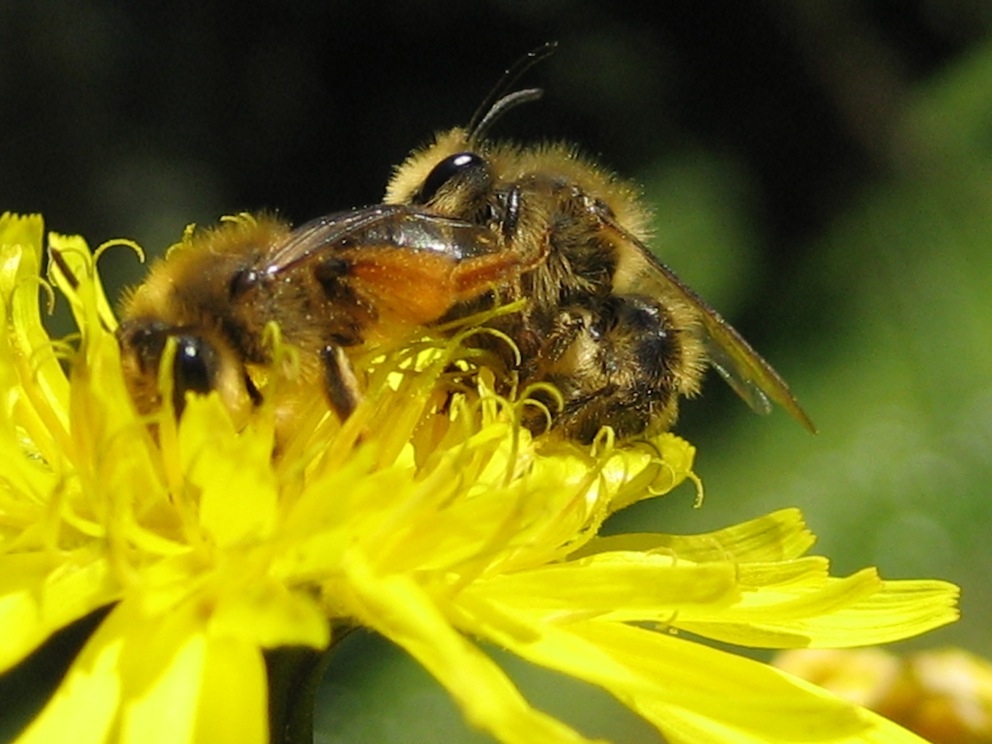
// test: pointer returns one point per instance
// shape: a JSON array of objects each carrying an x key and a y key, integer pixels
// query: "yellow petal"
[
  {"x": 674, "y": 457},
  {"x": 84, "y": 290},
  {"x": 858, "y": 610},
  {"x": 695, "y": 694},
  {"x": 268, "y": 614},
  {"x": 778, "y": 536},
  {"x": 618, "y": 586},
  {"x": 170, "y": 683},
  {"x": 185, "y": 683},
  {"x": 233, "y": 706},
  {"x": 84, "y": 708},
  {"x": 37, "y": 598},
  {"x": 397, "y": 608},
  {"x": 233, "y": 474},
  {"x": 40, "y": 405}
]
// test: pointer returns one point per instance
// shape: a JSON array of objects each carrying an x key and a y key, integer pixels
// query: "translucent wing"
[
  {"x": 380, "y": 226},
  {"x": 750, "y": 376}
]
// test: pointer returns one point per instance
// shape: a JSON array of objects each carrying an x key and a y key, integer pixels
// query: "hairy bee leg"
[
  {"x": 473, "y": 276},
  {"x": 341, "y": 384}
]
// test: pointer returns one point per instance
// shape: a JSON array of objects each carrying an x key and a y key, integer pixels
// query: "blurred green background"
[{"x": 820, "y": 172}]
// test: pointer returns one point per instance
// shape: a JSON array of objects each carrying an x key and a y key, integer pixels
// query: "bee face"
[
  {"x": 184, "y": 313},
  {"x": 466, "y": 225}
]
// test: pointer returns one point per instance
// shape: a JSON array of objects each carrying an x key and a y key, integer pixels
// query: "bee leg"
[
  {"x": 341, "y": 384},
  {"x": 563, "y": 341}
]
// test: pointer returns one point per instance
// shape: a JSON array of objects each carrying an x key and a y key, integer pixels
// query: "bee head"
[
  {"x": 200, "y": 361},
  {"x": 455, "y": 185}
]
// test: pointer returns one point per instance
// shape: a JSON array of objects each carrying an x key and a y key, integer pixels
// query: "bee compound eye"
[
  {"x": 194, "y": 368},
  {"x": 451, "y": 167},
  {"x": 242, "y": 281}
]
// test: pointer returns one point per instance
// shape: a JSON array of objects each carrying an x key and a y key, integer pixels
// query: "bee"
[
  {"x": 467, "y": 225},
  {"x": 340, "y": 284}
]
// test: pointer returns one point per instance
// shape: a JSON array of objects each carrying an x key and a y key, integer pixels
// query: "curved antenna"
[
  {"x": 504, "y": 104},
  {"x": 498, "y": 102}
]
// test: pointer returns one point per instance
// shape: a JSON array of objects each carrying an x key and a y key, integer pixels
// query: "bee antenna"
[
  {"x": 498, "y": 102},
  {"x": 504, "y": 104}
]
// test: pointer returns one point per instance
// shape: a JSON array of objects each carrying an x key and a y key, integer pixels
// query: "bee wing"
[
  {"x": 316, "y": 235},
  {"x": 750, "y": 376},
  {"x": 385, "y": 225}
]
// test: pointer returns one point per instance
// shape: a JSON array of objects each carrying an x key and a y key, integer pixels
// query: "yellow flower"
[
  {"x": 432, "y": 525},
  {"x": 942, "y": 694}
]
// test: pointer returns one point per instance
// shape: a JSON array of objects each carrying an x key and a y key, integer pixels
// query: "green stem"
[{"x": 294, "y": 675}]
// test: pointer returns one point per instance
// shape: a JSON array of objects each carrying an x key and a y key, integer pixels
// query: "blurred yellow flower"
[
  {"x": 431, "y": 525},
  {"x": 945, "y": 695}
]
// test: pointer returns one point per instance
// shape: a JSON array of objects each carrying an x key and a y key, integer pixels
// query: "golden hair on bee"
[
  {"x": 608, "y": 325},
  {"x": 184, "y": 297},
  {"x": 468, "y": 225}
]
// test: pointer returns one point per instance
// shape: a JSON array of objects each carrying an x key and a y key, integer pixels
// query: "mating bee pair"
[{"x": 466, "y": 225}]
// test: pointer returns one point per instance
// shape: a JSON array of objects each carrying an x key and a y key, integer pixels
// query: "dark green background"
[{"x": 821, "y": 173}]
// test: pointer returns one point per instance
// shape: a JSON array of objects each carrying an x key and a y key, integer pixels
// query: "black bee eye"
[
  {"x": 450, "y": 167},
  {"x": 193, "y": 368},
  {"x": 241, "y": 282}
]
